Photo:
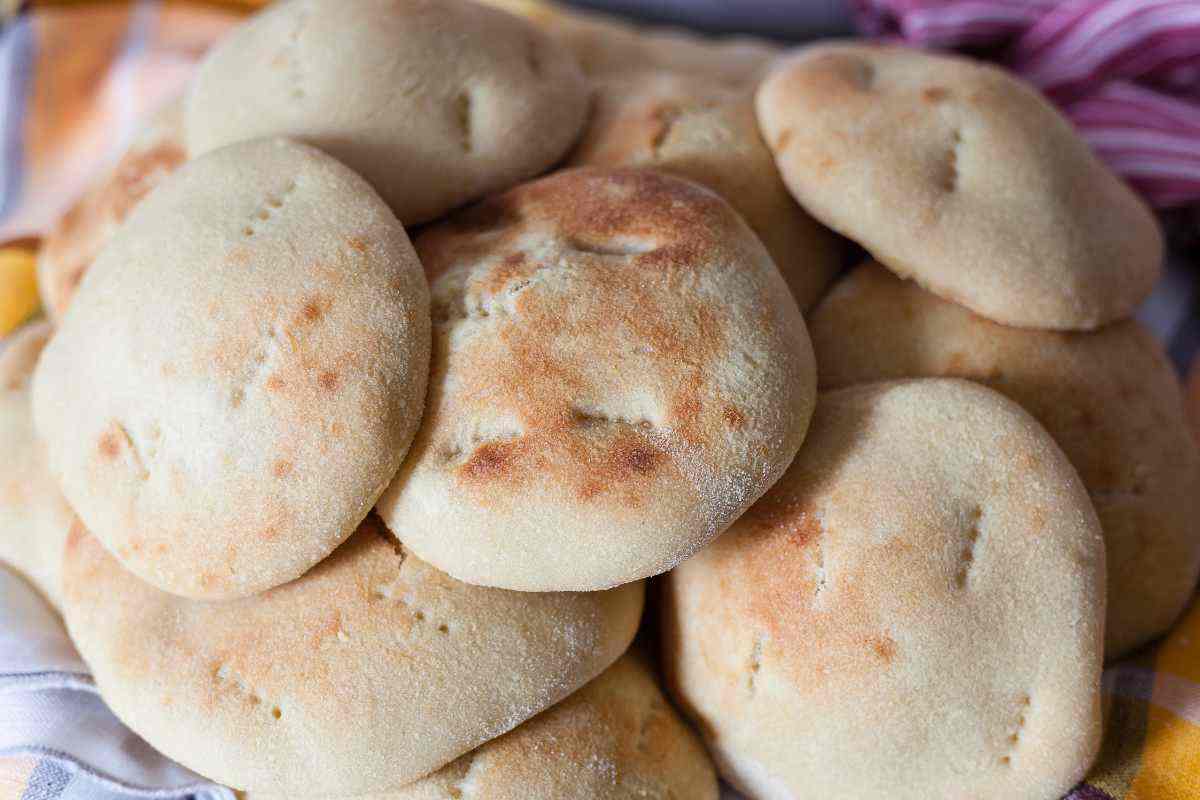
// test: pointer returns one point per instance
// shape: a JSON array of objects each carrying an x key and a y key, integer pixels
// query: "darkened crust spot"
[
  {"x": 328, "y": 380},
  {"x": 314, "y": 309},
  {"x": 628, "y": 243},
  {"x": 734, "y": 418},
  {"x": 884, "y": 647},
  {"x": 625, "y": 464},
  {"x": 490, "y": 461},
  {"x": 935, "y": 94},
  {"x": 110, "y": 446},
  {"x": 282, "y": 468}
]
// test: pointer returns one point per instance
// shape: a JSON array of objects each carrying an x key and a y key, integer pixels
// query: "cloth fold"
[{"x": 50, "y": 711}]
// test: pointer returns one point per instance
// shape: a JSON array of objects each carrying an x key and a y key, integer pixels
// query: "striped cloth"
[
  {"x": 1126, "y": 72},
  {"x": 74, "y": 77}
]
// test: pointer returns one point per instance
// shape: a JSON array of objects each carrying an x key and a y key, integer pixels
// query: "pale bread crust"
[
  {"x": 619, "y": 371},
  {"x": 73, "y": 244},
  {"x": 434, "y": 102},
  {"x": 608, "y": 46},
  {"x": 367, "y": 673},
  {"x": 615, "y": 739},
  {"x": 915, "y": 610},
  {"x": 34, "y": 517},
  {"x": 957, "y": 175},
  {"x": 1110, "y": 398},
  {"x": 241, "y": 372},
  {"x": 696, "y": 129}
]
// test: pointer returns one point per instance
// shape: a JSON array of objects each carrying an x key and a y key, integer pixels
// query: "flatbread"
[
  {"x": 1109, "y": 398},
  {"x": 619, "y": 371},
  {"x": 915, "y": 610},
  {"x": 369, "y": 672},
  {"x": 434, "y": 102},
  {"x": 240, "y": 373},
  {"x": 959, "y": 176}
]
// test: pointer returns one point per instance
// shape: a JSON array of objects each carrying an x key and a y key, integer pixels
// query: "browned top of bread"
[
  {"x": 614, "y": 352},
  {"x": 706, "y": 132}
]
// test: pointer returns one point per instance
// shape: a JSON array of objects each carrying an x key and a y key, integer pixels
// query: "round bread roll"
[
  {"x": 618, "y": 372},
  {"x": 34, "y": 517},
  {"x": 1109, "y": 398},
  {"x": 707, "y": 133},
  {"x": 961, "y": 177},
  {"x": 915, "y": 610},
  {"x": 241, "y": 372},
  {"x": 614, "y": 739},
  {"x": 369, "y": 672},
  {"x": 435, "y": 102},
  {"x": 85, "y": 229},
  {"x": 607, "y": 46}
]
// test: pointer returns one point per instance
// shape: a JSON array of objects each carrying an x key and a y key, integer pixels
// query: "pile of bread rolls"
[{"x": 394, "y": 358}]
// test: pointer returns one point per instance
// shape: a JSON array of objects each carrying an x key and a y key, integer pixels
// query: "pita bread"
[
  {"x": 618, "y": 372},
  {"x": 915, "y": 610},
  {"x": 1109, "y": 398},
  {"x": 705, "y": 132},
  {"x": 615, "y": 739},
  {"x": 369, "y": 672},
  {"x": 85, "y": 229},
  {"x": 434, "y": 102},
  {"x": 957, "y": 175},
  {"x": 241, "y": 372}
]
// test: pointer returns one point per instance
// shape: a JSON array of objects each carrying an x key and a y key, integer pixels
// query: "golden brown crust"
[
  {"x": 1109, "y": 398},
  {"x": 908, "y": 570},
  {"x": 90, "y": 223},
  {"x": 368, "y": 672},
  {"x": 613, "y": 352},
  {"x": 958, "y": 175},
  {"x": 694, "y": 129}
]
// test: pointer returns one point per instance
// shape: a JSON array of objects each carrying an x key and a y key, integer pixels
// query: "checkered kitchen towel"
[{"x": 75, "y": 77}]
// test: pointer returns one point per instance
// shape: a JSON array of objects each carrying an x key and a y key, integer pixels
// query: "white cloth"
[{"x": 49, "y": 710}]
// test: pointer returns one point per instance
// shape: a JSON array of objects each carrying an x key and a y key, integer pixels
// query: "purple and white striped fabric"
[{"x": 1126, "y": 72}]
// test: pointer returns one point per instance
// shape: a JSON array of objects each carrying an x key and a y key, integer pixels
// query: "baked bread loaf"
[
  {"x": 34, "y": 517},
  {"x": 696, "y": 129},
  {"x": 615, "y": 739},
  {"x": 241, "y": 372},
  {"x": 959, "y": 176},
  {"x": 618, "y": 372},
  {"x": 71, "y": 246},
  {"x": 608, "y": 46},
  {"x": 1110, "y": 398},
  {"x": 367, "y": 673},
  {"x": 915, "y": 610},
  {"x": 434, "y": 102}
]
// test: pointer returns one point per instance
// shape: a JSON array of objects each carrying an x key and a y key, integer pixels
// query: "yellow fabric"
[
  {"x": 18, "y": 287},
  {"x": 1170, "y": 763}
]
